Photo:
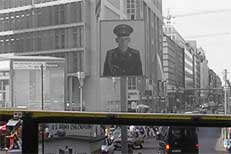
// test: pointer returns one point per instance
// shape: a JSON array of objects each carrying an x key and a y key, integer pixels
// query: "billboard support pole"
[{"x": 124, "y": 108}]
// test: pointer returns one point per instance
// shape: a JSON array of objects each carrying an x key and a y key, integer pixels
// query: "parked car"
[{"x": 180, "y": 140}]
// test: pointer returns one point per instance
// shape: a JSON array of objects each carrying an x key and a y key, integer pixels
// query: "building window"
[
  {"x": 62, "y": 38},
  {"x": 132, "y": 83},
  {"x": 56, "y": 15},
  {"x": 77, "y": 33},
  {"x": 57, "y": 39},
  {"x": 75, "y": 12},
  {"x": 39, "y": 41},
  {"x": 74, "y": 61},
  {"x": 131, "y": 9},
  {"x": 1, "y": 22},
  {"x": 62, "y": 14}
]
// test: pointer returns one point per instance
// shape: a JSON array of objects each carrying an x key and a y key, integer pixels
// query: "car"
[
  {"x": 134, "y": 140},
  {"x": 179, "y": 140}
]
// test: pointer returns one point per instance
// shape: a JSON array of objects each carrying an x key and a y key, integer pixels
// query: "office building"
[
  {"x": 173, "y": 66},
  {"x": 70, "y": 30}
]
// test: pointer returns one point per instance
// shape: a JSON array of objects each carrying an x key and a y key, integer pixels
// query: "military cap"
[{"x": 123, "y": 30}]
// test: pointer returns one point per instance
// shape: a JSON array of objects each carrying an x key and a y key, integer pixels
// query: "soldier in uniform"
[{"x": 123, "y": 60}]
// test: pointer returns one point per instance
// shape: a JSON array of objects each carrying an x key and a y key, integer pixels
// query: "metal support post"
[
  {"x": 29, "y": 134},
  {"x": 124, "y": 108}
]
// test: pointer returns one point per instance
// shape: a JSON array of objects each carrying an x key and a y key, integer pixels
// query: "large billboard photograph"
[{"x": 122, "y": 50}]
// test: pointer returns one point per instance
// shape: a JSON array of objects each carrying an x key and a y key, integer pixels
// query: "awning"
[{"x": 12, "y": 123}]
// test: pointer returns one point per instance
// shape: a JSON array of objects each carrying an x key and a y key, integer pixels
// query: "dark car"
[{"x": 179, "y": 140}]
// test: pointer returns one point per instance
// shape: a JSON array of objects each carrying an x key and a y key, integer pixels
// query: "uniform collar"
[{"x": 128, "y": 50}]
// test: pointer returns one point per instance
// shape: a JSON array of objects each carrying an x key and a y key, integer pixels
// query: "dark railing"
[{"x": 31, "y": 120}]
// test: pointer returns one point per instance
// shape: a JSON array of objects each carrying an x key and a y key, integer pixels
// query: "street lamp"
[{"x": 81, "y": 77}]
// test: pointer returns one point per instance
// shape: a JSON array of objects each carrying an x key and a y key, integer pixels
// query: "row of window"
[
  {"x": 43, "y": 40},
  {"x": 39, "y": 17},
  {"x": 6, "y": 4}
]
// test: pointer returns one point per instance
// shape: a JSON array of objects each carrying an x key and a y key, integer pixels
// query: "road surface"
[{"x": 210, "y": 142}]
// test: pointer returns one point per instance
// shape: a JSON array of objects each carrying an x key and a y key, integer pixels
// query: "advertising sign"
[
  {"x": 28, "y": 65},
  {"x": 122, "y": 50},
  {"x": 37, "y": 65}
]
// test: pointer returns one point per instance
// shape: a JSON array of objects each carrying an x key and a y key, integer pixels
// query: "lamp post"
[{"x": 81, "y": 77}]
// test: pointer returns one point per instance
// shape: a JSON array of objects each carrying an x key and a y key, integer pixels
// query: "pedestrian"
[{"x": 123, "y": 60}]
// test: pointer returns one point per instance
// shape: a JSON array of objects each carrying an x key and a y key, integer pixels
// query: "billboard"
[{"x": 122, "y": 48}]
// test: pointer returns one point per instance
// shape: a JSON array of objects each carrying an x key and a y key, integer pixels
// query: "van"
[{"x": 179, "y": 140}]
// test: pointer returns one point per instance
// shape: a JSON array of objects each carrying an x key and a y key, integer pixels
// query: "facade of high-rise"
[
  {"x": 173, "y": 66},
  {"x": 70, "y": 30},
  {"x": 191, "y": 65},
  {"x": 48, "y": 28}
]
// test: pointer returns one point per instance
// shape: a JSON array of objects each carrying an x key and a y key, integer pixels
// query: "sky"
[{"x": 217, "y": 47}]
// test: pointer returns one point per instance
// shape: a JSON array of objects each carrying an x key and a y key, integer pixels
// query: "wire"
[
  {"x": 208, "y": 35},
  {"x": 203, "y": 12},
  {"x": 169, "y": 16}
]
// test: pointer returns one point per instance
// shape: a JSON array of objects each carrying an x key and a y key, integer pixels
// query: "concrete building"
[
  {"x": 48, "y": 28},
  {"x": 189, "y": 63},
  {"x": 70, "y": 30},
  {"x": 173, "y": 66}
]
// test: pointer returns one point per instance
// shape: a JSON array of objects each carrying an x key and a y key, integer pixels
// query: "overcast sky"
[{"x": 217, "y": 47}]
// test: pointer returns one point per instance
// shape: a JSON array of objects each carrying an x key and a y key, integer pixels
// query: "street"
[{"x": 209, "y": 141}]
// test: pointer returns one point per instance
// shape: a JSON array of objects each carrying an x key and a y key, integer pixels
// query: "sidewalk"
[{"x": 220, "y": 145}]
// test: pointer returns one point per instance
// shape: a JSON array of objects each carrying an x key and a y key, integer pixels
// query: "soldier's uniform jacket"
[{"x": 122, "y": 64}]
